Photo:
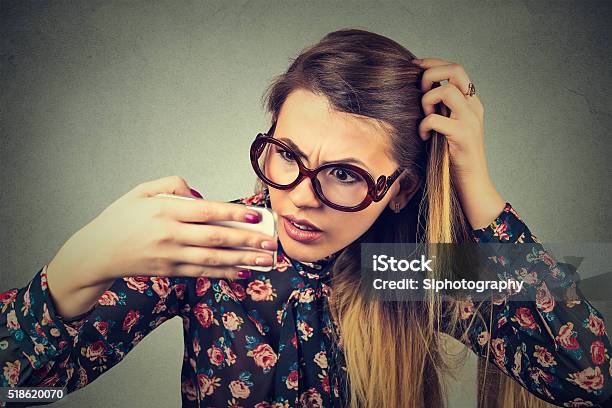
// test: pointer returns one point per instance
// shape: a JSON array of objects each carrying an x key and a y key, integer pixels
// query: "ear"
[{"x": 403, "y": 196}]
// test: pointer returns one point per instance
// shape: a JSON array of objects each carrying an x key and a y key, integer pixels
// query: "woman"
[{"x": 302, "y": 334}]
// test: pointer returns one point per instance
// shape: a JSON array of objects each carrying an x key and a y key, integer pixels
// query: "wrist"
[
  {"x": 480, "y": 201},
  {"x": 79, "y": 265}
]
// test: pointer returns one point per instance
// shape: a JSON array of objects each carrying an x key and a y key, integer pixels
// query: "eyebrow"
[{"x": 301, "y": 153}]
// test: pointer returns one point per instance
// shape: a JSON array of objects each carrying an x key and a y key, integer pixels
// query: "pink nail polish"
[
  {"x": 244, "y": 273},
  {"x": 252, "y": 218},
  {"x": 195, "y": 193}
]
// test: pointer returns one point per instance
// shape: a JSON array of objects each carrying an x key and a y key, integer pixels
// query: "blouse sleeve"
[
  {"x": 38, "y": 348},
  {"x": 550, "y": 338}
]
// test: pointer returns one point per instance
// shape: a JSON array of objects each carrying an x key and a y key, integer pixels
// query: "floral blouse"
[{"x": 266, "y": 341}]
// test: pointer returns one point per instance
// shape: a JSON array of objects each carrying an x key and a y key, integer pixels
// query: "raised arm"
[
  {"x": 548, "y": 337},
  {"x": 40, "y": 348}
]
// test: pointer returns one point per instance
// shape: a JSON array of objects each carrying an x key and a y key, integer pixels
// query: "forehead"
[{"x": 309, "y": 120}]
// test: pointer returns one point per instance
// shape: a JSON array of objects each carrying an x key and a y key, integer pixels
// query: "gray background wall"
[{"x": 97, "y": 97}]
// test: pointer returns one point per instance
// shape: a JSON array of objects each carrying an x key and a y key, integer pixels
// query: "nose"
[{"x": 303, "y": 195}]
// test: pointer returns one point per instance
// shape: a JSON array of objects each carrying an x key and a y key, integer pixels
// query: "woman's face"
[{"x": 324, "y": 135}]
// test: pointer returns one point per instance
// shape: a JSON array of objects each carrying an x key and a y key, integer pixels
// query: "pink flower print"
[
  {"x": 598, "y": 352},
  {"x": 524, "y": 318},
  {"x": 292, "y": 380},
  {"x": 264, "y": 356},
  {"x": 501, "y": 231},
  {"x": 567, "y": 337},
  {"x": 131, "y": 318},
  {"x": 588, "y": 379},
  {"x": 216, "y": 356},
  {"x": 282, "y": 263},
  {"x": 311, "y": 399},
  {"x": 161, "y": 286},
  {"x": 138, "y": 283},
  {"x": 261, "y": 290},
  {"x": 208, "y": 384},
  {"x": 204, "y": 314},
  {"x": 239, "y": 389},
  {"x": 231, "y": 321},
  {"x": 596, "y": 325},
  {"x": 238, "y": 290},
  {"x": 11, "y": 372},
  {"x": 108, "y": 298},
  {"x": 545, "y": 358}
]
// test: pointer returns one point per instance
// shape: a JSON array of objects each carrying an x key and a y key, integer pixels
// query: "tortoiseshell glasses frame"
[{"x": 375, "y": 192}]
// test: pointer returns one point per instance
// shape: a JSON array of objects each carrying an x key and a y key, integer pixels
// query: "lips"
[
  {"x": 300, "y": 235},
  {"x": 302, "y": 222}
]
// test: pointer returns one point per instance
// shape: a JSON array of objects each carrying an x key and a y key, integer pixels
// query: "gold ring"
[{"x": 471, "y": 90}]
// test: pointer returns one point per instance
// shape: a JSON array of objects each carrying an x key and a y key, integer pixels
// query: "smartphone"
[{"x": 268, "y": 225}]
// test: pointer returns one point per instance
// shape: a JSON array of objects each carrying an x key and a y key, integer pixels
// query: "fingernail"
[
  {"x": 243, "y": 273},
  {"x": 252, "y": 218},
  {"x": 195, "y": 193},
  {"x": 263, "y": 261},
  {"x": 269, "y": 245}
]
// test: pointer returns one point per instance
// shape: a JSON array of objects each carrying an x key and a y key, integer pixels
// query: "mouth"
[
  {"x": 300, "y": 232},
  {"x": 302, "y": 224}
]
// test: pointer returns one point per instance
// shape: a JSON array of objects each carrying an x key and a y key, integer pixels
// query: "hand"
[
  {"x": 143, "y": 235},
  {"x": 464, "y": 131}
]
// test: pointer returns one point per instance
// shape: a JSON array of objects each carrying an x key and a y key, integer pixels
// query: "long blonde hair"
[{"x": 396, "y": 353}]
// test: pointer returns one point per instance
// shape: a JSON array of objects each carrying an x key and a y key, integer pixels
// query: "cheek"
[
  {"x": 276, "y": 198},
  {"x": 349, "y": 226}
]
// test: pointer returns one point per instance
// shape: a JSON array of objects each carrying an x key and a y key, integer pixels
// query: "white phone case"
[{"x": 267, "y": 225}]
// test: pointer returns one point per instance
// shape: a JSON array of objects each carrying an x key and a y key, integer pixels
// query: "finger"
[
  {"x": 441, "y": 124},
  {"x": 454, "y": 73},
  {"x": 436, "y": 70},
  {"x": 220, "y": 257},
  {"x": 220, "y": 236},
  {"x": 450, "y": 96},
  {"x": 168, "y": 185},
  {"x": 432, "y": 62},
  {"x": 197, "y": 271},
  {"x": 205, "y": 210}
]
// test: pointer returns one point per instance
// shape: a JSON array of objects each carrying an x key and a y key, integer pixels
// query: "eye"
[
  {"x": 287, "y": 156},
  {"x": 345, "y": 176}
]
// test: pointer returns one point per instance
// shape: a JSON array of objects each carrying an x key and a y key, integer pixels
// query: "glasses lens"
[
  {"x": 339, "y": 184},
  {"x": 278, "y": 165},
  {"x": 342, "y": 186}
]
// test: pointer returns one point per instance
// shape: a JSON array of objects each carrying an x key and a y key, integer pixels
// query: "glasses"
[{"x": 341, "y": 186}]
